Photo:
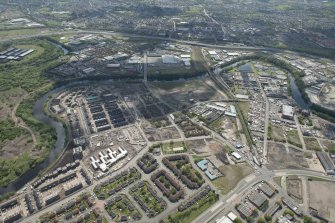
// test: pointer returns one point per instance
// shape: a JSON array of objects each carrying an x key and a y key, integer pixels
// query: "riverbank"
[{"x": 296, "y": 82}]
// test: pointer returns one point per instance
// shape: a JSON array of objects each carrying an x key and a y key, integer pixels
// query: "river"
[
  {"x": 296, "y": 94},
  {"x": 54, "y": 152},
  {"x": 61, "y": 133}
]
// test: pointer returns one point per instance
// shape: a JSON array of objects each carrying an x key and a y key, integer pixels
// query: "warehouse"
[
  {"x": 169, "y": 59},
  {"x": 287, "y": 112},
  {"x": 326, "y": 162}
]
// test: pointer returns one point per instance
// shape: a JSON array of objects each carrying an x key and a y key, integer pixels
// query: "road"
[
  {"x": 266, "y": 122},
  {"x": 225, "y": 201},
  {"x": 301, "y": 137},
  {"x": 19, "y": 121},
  {"x": 221, "y": 208},
  {"x": 193, "y": 43}
]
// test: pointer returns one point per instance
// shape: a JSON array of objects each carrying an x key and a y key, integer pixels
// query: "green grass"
[
  {"x": 282, "y": 7},
  {"x": 293, "y": 138},
  {"x": 8, "y": 130},
  {"x": 244, "y": 108},
  {"x": 277, "y": 180},
  {"x": 167, "y": 148},
  {"x": 312, "y": 144},
  {"x": 216, "y": 124},
  {"x": 27, "y": 75},
  {"x": 194, "y": 211},
  {"x": 278, "y": 133},
  {"x": 98, "y": 190},
  {"x": 148, "y": 198},
  {"x": 120, "y": 209},
  {"x": 330, "y": 146},
  {"x": 11, "y": 169},
  {"x": 232, "y": 174},
  {"x": 318, "y": 179},
  {"x": 8, "y": 34}
]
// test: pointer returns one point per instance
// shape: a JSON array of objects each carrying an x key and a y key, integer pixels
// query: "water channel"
[
  {"x": 61, "y": 133},
  {"x": 296, "y": 94},
  {"x": 55, "y": 151}
]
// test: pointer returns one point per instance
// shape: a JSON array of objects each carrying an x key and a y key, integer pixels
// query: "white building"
[
  {"x": 287, "y": 112},
  {"x": 236, "y": 155}
]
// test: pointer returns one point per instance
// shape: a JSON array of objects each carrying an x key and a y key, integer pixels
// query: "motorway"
[{"x": 193, "y": 43}]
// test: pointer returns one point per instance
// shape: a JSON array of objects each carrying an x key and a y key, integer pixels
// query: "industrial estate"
[{"x": 112, "y": 125}]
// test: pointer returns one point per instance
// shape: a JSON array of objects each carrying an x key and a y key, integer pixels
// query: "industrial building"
[
  {"x": 211, "y": 171},
  {"x": 267, "y": 189},
  {"x": 231, "y": 112},
  {"x": 287, "y": 112},
  {"x": 326, "y": 162},
  {"x": 236, "y": 155},
  {"x": 244, "y": 210},
  {"x": 170, "y": 59},
  {"x": 292, "y": 206},
  {"x": 14, "y": 54}
]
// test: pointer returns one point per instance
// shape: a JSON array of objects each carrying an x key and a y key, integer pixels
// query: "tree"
[
  {"x": 238, "y": 220},
  {"x": 250, "y": 219},
  {"x": 254, "y": 213},
  {"x": 267, "y": 217},
  {"x": 260, "y": 220},
  {"x": 308, "y": 219}
]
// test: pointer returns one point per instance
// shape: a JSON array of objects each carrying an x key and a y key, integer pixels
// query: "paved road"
[
  {"x": 242, "y": 187},
  {"x": 301, "y": 137},
  {"x": 194, "y": 43},
  {"x": 266, "y": 122},
  {"x": 224, "y": 206}
]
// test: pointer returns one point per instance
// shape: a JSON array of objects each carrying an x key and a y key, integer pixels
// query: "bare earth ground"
[
  {"x": 280, "y": 158},
  {"x": 16, "y": 147},
  {"x": 24, "y": 143},
  {"x": 168, "y": 133},
  {"x": 322, "y": 198},
  {"x": 198, "y": 146},
  {"x": 8, "y": 100},
  {"x": 294, "y": 188},
  {"x": 229, "y": 128},
  {"x": 179, "y": 93},
  {"x": 314, "y": 163}
]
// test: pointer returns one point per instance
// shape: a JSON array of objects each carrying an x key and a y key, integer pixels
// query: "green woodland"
[{"x": 27, "y": 74}]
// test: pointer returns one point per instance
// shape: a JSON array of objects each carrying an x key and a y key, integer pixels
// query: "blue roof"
[
  {"x": 210, "y": 176},
  {"x": 202, "y": 164}
]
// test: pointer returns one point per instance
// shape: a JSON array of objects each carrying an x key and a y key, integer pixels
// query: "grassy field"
[
  {"x": 312, "y": 144},
  {"x": 149, "y": 200},
  {"x": 232, "y": 174},
  {"x": 329, "y": 145},
  {"x": 7, "y": 34},
  {"x": 167, "y": 148},
  {"x": 244, "y": 108},
  {"x": 293, "y": 138},
  {"x": 217, "y": 124},
  {"x": 194, "y": 211},
  {"x": 120, "y": 208},
  {"x": 103, "y": 190},
  {"x": 17, "y": 79},
  {"x": 278, "y": 133}
]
